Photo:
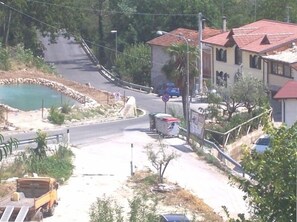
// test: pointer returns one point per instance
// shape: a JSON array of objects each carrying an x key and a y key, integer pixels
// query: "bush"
[
  {"x": 105, "y": 210},
  {"x": 55, "y": 116},
  {"x": 58, "y": 165},
  {"x": 66, "y": 108}
]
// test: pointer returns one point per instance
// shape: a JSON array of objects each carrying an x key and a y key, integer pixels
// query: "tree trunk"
[{"x": 7, "y": 29}]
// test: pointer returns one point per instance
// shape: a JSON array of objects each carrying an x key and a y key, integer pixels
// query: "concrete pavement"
[{"x": 103, "y": 167}]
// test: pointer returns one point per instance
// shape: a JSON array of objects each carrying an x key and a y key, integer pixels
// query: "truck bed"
[{"x": 6, "y": 201}]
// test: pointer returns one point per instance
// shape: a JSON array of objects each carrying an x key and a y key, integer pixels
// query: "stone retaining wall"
[{"x": 83, "y": 99}]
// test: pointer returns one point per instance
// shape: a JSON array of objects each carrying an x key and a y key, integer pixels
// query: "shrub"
[
  {"x": 58, "y": 165},
  {"x": 55, "y": 116},
  {"x": 66, "y": 108}
]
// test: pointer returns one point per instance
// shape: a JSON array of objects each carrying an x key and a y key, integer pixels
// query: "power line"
[
  {"x": 113, "y": 11},
  {"x": 72, "y": 34}
]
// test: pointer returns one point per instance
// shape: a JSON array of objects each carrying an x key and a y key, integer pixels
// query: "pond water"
[{"x": 29, "y": 97}]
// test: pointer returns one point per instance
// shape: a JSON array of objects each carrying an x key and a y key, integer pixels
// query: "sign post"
[{"x": 165, "y": 99}]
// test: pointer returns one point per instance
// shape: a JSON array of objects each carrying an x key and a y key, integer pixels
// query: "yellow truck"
[{"x": 34, "y": 198}]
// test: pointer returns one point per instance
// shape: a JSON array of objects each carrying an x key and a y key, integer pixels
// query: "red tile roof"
[
  {"x": 259, "y": 37},
  {"x": 288, "y": 91},
  {"x": 192, "y": 35}
]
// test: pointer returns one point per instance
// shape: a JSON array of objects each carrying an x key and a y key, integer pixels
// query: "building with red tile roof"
[
  {"x": 288, "y": 96},
  {"x": 288, "y": 91},
  {"x": 242, "y": 50},
  {"x": 160, "y": 56}
]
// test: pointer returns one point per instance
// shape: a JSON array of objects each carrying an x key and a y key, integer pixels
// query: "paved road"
[{"x": 110, "y": 141}]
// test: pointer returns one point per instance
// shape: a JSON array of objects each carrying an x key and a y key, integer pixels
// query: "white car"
[{"x": 262, "y": 143}]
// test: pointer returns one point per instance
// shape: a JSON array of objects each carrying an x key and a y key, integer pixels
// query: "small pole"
[
  {"x": 165, "y": 107},
  {"x": 42, "y": 105},
  {"x": 68, "y": 137},
  {"x": 124, "y": 97},
  {"x": 131, "y": 162}
]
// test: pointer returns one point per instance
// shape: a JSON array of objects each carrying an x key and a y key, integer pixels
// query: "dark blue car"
[
  {"x": 174, "y": 218},
  {"x": 168, "y": 88}
]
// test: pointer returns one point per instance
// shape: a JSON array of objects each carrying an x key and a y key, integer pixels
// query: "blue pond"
[{"x": 28, "y": 97}]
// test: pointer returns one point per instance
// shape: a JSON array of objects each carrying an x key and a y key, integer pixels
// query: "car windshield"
[{"x": 263, "y": 141}]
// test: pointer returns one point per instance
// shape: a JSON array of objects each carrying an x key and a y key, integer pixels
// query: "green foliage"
[
  {"x": 251, "y": 93},
  {"x": 4, "y": 59},
  {"x": 40, "y": 150},
  {"x": 57, "y": 165},
  {"x": 143, "y": 209},
  {"x": 66, "y": 108},
  {"x": 160, "y": 158},
  {"x": 55, "y": 116},
  {"x": 105, "y": 210},
  {"x": 7, "y": 146},
  {"x": 133, "y": 64},
  {"x": 271, "y": 189},
  {"x": 247, "y": 92},
  {"x": 176, "y": 68}
]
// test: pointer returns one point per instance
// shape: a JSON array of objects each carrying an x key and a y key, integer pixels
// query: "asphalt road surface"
[{"x": 105, "y": 148}]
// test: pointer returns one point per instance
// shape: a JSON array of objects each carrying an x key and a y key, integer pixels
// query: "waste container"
[
  {"x": 152, "y": 121},
  {"x": 167, "y": 126},
  {"x": 153, "y": 116}
]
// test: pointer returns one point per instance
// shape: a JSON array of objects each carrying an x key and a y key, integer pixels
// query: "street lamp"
[
  {"x": 116, "y": 39},
  {"x": 187, "y": 83}
]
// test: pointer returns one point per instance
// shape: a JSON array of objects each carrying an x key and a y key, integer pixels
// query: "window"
[
  {"x": 221, "y": 78},
  {"x": 238, "y": 55},
  {"x": 255, "y": 61},
  {"x": 221, "y": 55},
  {"x": 282, "y": 69}
]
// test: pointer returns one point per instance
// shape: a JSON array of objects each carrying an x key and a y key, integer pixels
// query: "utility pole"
[
  {"x": 201, "y": 54},
  {"x": 288, "y": 13}
]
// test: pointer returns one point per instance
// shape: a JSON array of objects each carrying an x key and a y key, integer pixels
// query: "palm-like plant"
[{"x": 176, "y": 68}]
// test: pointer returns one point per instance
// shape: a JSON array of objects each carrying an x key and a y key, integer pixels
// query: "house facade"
[
  {"x": 288, "y": 97},
  {"x": 160, "y": 56},
  {"x": 281, "y": 67},
  {"x": 249, "y": 50}
]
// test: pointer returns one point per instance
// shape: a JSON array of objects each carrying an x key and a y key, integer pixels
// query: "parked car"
[
  {"x": 174, "y": 218},
  {"x": 261, "y": 144},
  {"x": 168, "y": 88}
]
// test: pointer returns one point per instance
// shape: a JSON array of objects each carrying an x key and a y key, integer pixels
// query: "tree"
[
  {"x": 271, "y": 187},
  {"x": 160, "y": 158},
  {"x": 176, "y": 68},
  {"x": 133, "y": 65},
  {"x": 226, "y": 99},
  {"x": 247, "y": 91},
  {"x": 251, "y": 92}
]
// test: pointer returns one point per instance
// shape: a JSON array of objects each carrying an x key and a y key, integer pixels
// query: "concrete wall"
[
  {"x": 159, "y": 58},
  {"x": 289, "y": 107}
]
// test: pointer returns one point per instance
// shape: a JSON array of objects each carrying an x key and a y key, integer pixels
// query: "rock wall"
[{"x": 83, "y": 99}]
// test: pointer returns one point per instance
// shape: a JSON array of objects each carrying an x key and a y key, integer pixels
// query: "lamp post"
[
  {"x": 116, "y": 40},
  {"x": 187, "y": 82}
]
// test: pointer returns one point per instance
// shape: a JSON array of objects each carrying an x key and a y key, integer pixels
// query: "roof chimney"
[{"x": 224, "y": 23}]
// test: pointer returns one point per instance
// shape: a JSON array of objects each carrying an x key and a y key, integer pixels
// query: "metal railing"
[
  {"x": 110, "y": 76},
  {"x": 242, "y": 129},
  {"x": 224, "y": 156},
  {"x": 55, "y": 137}
]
